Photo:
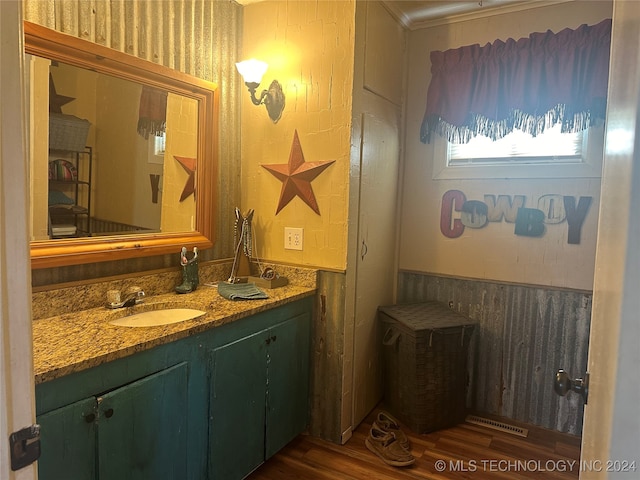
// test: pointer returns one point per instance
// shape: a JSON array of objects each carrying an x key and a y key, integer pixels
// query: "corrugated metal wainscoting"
[{"x": 525, "y": 334}]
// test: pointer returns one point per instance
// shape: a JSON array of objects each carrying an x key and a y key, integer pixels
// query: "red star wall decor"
[
  {"x": 296, "y": 177},
  {"x": 189, "y": 165}
]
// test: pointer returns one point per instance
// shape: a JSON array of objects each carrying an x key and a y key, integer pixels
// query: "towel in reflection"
[{"x": 241, "y": 291}]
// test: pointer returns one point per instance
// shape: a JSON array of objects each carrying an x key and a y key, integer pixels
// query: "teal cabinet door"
[
  {"x": 259, "y": 397},
  {"x": 237, "y": 414},
  {"x": 288, "y": 385},
  {"x": 68, "y": 442},
  {"x": 142, "y": 428}
]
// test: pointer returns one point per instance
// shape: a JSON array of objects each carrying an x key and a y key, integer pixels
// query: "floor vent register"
[{"x": 496, "y": 425}]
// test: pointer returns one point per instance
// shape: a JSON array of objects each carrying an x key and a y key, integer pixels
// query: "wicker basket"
[
  {"x": 67, "y": 132},
  {"x": 425, "y": 347}
]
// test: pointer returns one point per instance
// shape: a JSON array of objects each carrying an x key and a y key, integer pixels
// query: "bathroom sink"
[{"x": 154, "y": 318}]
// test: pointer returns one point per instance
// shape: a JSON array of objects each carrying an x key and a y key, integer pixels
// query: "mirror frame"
[{"x": 44, "y": 42}]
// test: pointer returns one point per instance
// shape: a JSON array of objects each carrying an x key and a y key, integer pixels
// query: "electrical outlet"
[{"x": 293, "y": 238}]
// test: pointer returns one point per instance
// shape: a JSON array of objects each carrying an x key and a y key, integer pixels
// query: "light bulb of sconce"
[{"x": 252, "y": 70}]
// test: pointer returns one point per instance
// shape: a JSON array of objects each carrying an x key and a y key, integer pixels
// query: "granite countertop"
[{"x": 76, "y": 341}]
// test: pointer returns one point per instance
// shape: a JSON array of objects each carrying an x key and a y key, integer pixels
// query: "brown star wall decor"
[
  {"x": 189, "y": 165},
  {"x": 56, "y": 102},
  {"x": 296, "y": 177}
]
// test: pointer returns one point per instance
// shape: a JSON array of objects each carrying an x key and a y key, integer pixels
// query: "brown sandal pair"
[{"x": 389, "y": 442}]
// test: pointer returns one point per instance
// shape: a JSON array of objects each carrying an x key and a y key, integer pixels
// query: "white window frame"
[{"x": 589, "y": 167}]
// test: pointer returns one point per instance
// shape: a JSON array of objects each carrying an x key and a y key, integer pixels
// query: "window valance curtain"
[
  {"x": 530, "y": 83},
  {"x": 152, "y": 112}
]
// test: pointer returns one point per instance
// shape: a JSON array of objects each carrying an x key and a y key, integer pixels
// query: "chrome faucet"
[{"x": 132, "y": 296}]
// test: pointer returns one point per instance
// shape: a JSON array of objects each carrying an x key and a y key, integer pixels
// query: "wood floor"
[{"x": 465, "y": 451}]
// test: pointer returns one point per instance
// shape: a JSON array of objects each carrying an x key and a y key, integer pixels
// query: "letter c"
[{"x": 452, "y": 200}]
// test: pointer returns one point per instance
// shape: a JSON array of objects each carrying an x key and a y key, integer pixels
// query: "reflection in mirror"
[
  {"x": 115, "y": 154},
  {"x": 122, "y": 155}
]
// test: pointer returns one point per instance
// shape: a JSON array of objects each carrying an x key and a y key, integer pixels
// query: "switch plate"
[{"x": 293, "y": 238}]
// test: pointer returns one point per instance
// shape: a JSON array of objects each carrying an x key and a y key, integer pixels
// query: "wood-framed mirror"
[{"x": 189, "y": 165}]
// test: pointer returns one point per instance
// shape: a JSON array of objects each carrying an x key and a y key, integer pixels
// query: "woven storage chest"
[
  {"x": 425, "y": 347},
  {"x": 67, "y": 132}
]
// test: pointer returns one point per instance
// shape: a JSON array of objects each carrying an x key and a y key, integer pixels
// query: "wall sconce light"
[{"x": 252, "y": 72}]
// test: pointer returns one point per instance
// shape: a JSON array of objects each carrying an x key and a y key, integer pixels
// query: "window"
[
  {"x": 159, "y": 141},
  {"x": 551, "y": 154},
  {"x": 156, "y": 149}
]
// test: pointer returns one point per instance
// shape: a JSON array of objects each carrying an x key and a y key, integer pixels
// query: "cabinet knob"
[
  {"x": 90, "y": 417},
  {"x": 108, "y": 412}
]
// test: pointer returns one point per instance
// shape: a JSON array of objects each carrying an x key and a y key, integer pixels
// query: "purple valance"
[
  {"x": 530, "y": 83},
  {"x": 152, "y": 112}
]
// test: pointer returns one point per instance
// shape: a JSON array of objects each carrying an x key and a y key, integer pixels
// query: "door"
[
  {"x": 142, "y": 428},
  {"x": 16, "y": 364},
  {"x": 375, "y": 165},
  {"x": 611, "y": 421},
  {"x": 288, "y": 382},
  {"x": 375, "y": 264},
  {"x": 237, "y": 407},
  {"x": 68, "y": 442}
]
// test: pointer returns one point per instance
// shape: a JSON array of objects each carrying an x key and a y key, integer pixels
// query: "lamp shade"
[{"x": 252, "y": 70}]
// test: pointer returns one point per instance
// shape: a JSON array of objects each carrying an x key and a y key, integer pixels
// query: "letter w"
[{"x": 503, "y": 207}]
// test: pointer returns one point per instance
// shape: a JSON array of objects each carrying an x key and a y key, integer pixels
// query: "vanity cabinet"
[
  {"x": 259, "y": 396},
  {"x": 137, "y": 431},
  {"x": 210, "y": 406}
]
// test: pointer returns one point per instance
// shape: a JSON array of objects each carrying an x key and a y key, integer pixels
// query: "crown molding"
[{"x": 437, "y": 16}]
